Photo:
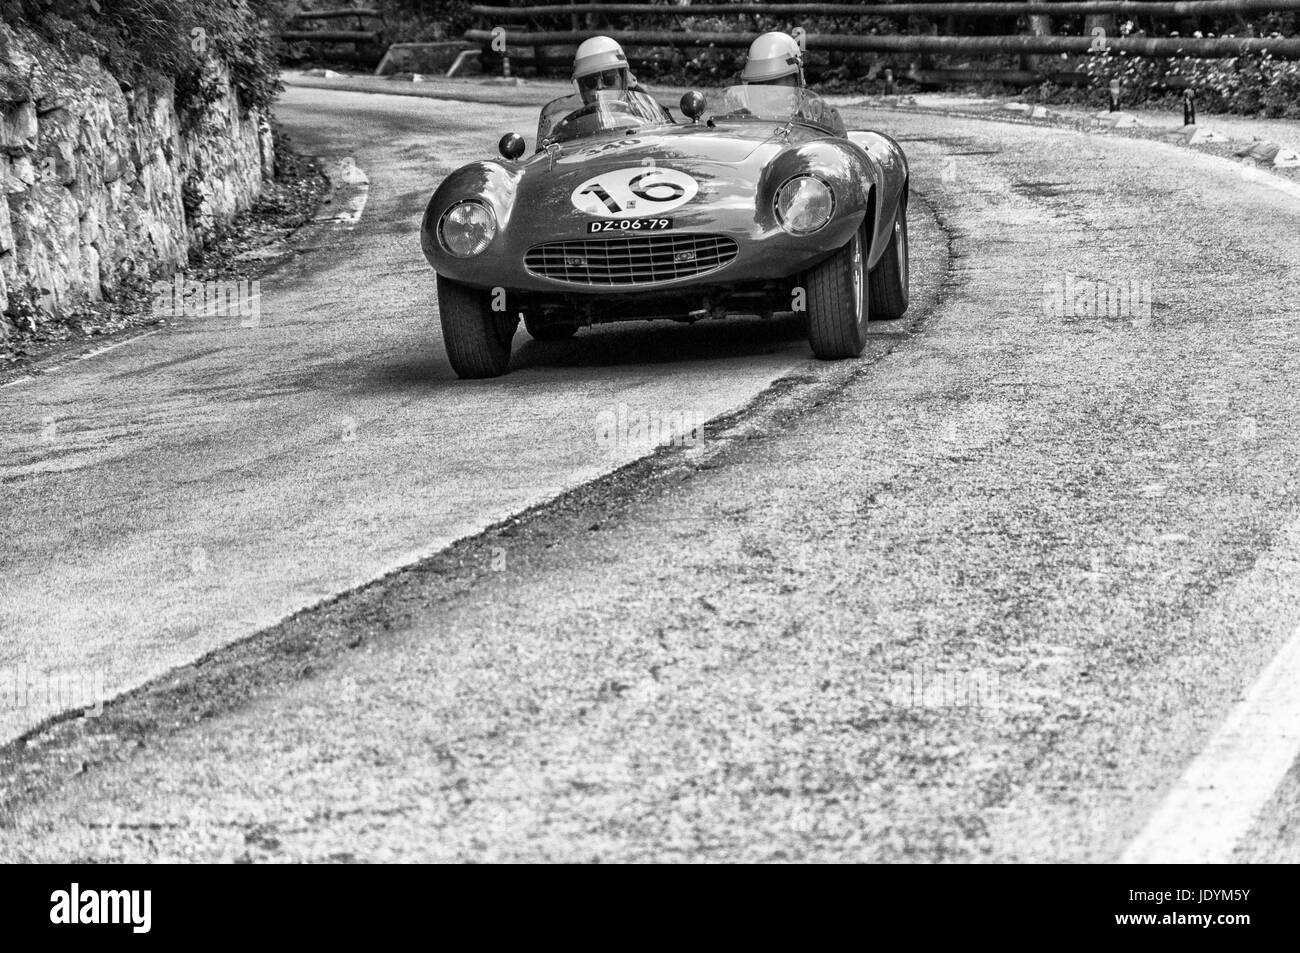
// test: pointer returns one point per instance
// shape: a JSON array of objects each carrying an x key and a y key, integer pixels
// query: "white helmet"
[
  {"x": 596, "y": 54},
  {"x": 772, "y": 56}
]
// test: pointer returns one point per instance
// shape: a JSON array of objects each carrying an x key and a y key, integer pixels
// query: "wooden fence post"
[{"x": 1039, "y": 25}]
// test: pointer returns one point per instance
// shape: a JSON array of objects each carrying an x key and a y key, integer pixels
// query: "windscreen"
[
  {"x": 772, "y": 104},
  {"x": 612, "y": 110}
]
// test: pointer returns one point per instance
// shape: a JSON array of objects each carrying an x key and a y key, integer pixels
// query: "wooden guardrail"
[
  {"x": 960, "y": 8},
  {"x": 339, "y": 14},
  {"x": 367, "y": 43},
  {"x": 518, "y": 27},
  {"x": 1285, "y": 48}
]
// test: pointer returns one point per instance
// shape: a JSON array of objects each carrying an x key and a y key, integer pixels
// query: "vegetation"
[
  {"x": 1251, "y": 85},
  {"x": 145, "y": 40},
  {"x": 424, "y": 20}
]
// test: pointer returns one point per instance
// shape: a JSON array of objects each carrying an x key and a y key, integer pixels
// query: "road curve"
[
  {"x": 1010, "y": 593},
  {"x": 196, "y": 485}
]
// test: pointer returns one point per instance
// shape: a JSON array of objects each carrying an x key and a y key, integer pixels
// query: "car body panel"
[{"x": 737, "y": 167}]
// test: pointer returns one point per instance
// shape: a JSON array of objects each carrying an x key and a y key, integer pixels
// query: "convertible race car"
[{"x": 760, "y": 204}]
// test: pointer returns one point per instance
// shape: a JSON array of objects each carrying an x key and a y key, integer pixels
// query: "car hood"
[
  {"x": 730, "y": 144},
  {"x": 727, "y": 167}
]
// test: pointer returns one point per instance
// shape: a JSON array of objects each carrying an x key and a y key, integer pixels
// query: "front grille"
[{"x": 630, "y": 259}]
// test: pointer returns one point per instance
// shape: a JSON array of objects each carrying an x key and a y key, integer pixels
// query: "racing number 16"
[
  {"x": 675, "y": 191},
  {"x": 651, "y": 191}
]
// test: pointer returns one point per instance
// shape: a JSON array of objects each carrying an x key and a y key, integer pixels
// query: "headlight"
[
  {"x": 467, "y": 228},
  {"x": 804, "y": 204}
]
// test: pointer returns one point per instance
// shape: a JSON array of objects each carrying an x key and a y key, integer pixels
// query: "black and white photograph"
[{"x": 651, "y": 432}]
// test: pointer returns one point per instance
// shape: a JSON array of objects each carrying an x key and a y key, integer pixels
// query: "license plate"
[{"x": 629, "y": 225}]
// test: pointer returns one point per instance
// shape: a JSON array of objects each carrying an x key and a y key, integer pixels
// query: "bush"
[
  {"x": 1250, "y": 85},
  {"x": 415, "y": 21}
]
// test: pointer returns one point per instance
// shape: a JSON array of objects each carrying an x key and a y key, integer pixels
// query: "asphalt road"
[
  {"x": 1006, "y": 589},
  {"x": 194, "y": 486}
]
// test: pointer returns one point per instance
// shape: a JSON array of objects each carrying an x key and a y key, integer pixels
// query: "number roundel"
[{"x": 634, "y": 192}]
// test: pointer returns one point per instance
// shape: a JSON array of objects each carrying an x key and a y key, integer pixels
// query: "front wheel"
[
  {"x": 476, "y": 337},
  {"x": 837, "y": 303},
  {"x": 889, "y": 283}
]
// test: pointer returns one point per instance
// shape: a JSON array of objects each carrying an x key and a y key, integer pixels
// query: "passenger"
[{"x": 774, "y": 59}]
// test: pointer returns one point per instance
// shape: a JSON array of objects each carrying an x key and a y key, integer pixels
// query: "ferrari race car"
[{"x": 760, "y": 204}]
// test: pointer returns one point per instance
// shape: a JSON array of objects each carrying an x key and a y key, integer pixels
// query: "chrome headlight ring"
[
  {"x": 804, "y": 204},
  {"x": 467, "y": 228}
]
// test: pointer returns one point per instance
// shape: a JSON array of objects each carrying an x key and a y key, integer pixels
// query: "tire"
[
  {"x": 540, "y": 330},
  {"x": 838, "y": 303},
  {"x": 477, "y": 338},
  {"x": 889, "y": 283}
]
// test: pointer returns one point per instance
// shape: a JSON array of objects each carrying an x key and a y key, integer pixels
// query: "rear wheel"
[
  {"x": 837, "y": 303},
  {"x": 549, "y": 329},
  {"x": 476, "y": 337},
  {"x": 889, "y": 282}
]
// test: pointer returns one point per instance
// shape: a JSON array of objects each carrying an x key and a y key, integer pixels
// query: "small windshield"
[
  {"x": 774, "y": 104},
  {"x": 613, "y": 109}
]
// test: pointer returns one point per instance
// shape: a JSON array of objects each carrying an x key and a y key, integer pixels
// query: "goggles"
[{"x": 605, "y": 79}]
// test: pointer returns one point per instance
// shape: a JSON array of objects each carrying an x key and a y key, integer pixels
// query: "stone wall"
[{"x": 99, "y": 180}]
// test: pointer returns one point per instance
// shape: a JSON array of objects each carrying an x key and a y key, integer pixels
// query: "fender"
[
  {"x": 886, "y": 156},
  {"x": 490, "y": 182},
  {"x": 835, "y": 162}
]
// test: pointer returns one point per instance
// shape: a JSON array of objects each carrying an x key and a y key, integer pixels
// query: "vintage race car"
[{"x": 760, "y": 203}]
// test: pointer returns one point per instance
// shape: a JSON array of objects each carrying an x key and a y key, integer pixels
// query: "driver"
[
  {"x": 599, "y": 65},
  {"x": 775, "y": 59}
]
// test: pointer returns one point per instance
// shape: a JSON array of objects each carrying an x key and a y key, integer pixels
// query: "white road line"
[
  {"x": 60, "y": 364},
  {"x": 1217, "y": 800},
  {"x": 347, "y": 200},
  {"x": 65, "y": 362},
  {"x": 113, "y": 347}
]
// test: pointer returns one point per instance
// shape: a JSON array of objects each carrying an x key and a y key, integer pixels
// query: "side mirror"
[
  {"x": 511, "y": 145},
  {"x": 693, "y": 105}
]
